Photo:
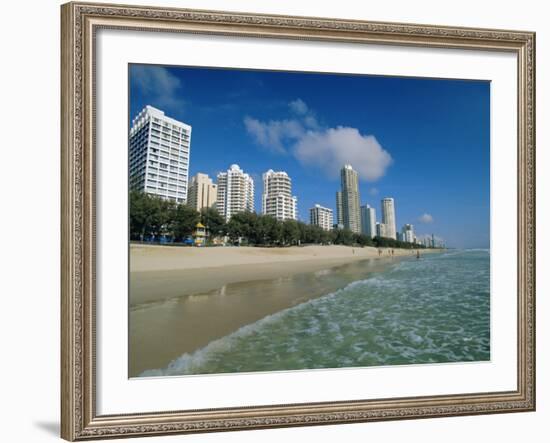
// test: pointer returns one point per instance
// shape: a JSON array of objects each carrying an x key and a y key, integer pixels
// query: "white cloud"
[
  {"x": 329, "y": 149},
  {"x": 311, "y": 122},
  {"x": 304, "y": 113},
  {"x": 273, "y": 134},
  {"x": 298, "y": 106},
  {"x": 158, "y": 85},
  {"x": 426, "y": 218}
]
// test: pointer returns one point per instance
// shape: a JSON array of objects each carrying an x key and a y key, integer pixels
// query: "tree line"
[{"x": 152, "y": 217}]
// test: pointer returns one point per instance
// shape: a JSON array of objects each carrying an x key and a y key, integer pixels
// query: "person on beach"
[
  {"x": 417, "y": 254},
  {"x": 392, "y": 252},
  {"x": 379, "y": 252}
]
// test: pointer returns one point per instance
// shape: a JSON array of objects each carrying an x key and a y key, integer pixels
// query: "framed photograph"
[{"x": 283, "y": 221}]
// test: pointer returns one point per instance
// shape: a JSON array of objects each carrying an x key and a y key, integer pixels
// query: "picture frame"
[{"x": 79, "y": 389}]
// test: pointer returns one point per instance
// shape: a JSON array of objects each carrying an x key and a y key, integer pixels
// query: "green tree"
[
  {"x": 343, "y": 237},
  {"x": 363, "y": 240},
  {"x": 149, "y": 215},
  {"x": 184, "y": 220},
  {"x": 268, "y": 230},
  {"x": 304, "y": 232},
  {"x": 213, "y": 222},
  {"x": 242, "y": 226},
  {"x": 319, "y": 235},
  {"x": 140, "y": 215},
  {"x": 290, "y": 232},
  {"x": 163, "y": 214}
]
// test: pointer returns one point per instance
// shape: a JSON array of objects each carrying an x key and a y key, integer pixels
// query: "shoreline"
[
  {"x": 162, "y": 272},
  {"x": 186, "y": 308}
]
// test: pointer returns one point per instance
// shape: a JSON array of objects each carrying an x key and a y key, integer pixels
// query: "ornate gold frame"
[{"x": 80, "y": 21}]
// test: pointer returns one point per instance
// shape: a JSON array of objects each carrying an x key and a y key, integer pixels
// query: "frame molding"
[{"x": 79, "y": 22}]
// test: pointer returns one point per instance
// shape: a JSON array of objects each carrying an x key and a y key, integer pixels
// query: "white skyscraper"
[
  {"x": 277, "y": 198},
  {"x": 339, "y": 211},
  {"x": 202, "y": 192},
  {"x": 368, "y": 221},
  {"x": 381, "y": 230},
  {"x": 159, "y": 155},
  {"x": 321, "y": 216},
  {"x": 350, "y": 207},
  {"x": 388, "y": 217},
  {"x": 235, "y": 192},
  {"x": 407, "y": 233}
]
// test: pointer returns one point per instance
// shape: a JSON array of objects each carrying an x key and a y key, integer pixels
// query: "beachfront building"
[
  {"x": 426, "y": 241},
  {"x": 277, "y": 198},
  {"x": 202, "y": 192},
  {"x": 159, "y": 155},
  {"x": 235, "y": 192},
  {"x": 388, "y": 217},
  {"x": 339, "y": 211},
  {"x": 321, "y": 216},
  {"x": 407, "y": 233},
  {"x": 351, "y": 215},
  {"x": 381, "y": 230},
  {"x": 368, "y": 221},
  {"x": 430, "y": 241}
]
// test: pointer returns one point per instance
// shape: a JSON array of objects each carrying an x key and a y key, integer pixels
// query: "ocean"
[{"x": 430, "y": 310}]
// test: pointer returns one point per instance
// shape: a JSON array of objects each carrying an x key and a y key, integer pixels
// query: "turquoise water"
[{"x": 432, "y": 310}]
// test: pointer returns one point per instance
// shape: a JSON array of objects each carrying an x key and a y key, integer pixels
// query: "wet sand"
[
  {"x": 161, "y": 272},
  {"x": 184, "y": 307}
]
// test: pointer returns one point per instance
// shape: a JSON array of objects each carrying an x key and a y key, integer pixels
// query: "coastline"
[
  {"x": 185, "y": 304},
  {"x": 162, "y": 272}
]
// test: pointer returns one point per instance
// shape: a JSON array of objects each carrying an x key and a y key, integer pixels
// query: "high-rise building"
[
  {"x": 159, "y": 155},
  {"x": 277, "y": 198},
  {"x": 388, "y": 217},
  {"x": 381, "y": 230},
  {"x": 339, "y": 211},
  {"x": 235, "y": 192},
  {"x": 351, "y": 215},
  {"x": 202, "y": 192},
  {"x": 321, "y": 216},
  {"x": 407, "y": 233},
  {"x": 427, "y": 241},
  {"x": 368, "y": 221}
]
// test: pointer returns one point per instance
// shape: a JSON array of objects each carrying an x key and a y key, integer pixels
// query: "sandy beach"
[
  {"x": 161, "y": 272},
  {"x": 183, "y": 298}
]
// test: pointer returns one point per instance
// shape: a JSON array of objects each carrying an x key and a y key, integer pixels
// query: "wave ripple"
[{"x": 433, "y": 310}]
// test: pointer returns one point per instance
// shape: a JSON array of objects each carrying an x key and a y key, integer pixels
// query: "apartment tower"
[
  {"x": 277, "y": 198},
  {"x": 202, "y": 192},
  {"x": 339, "y": 211},
  {"x": 235, "y": 192},
  {"x": 407, "y": 233},
  {"x": 381, "y": 230},
  {"x": 351, "y": 215},
  {"x": 368, "y": 221},
  {"x": 159, "y": 155},
  {"x": 321, "y": 216},
  {"x": 388, "y": 217}
]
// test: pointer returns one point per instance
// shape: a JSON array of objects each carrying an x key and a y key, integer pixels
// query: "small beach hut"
[{"x": 199, "y": 235}]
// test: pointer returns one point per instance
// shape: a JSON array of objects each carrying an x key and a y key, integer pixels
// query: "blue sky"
[{"x": 424, "y": 142}]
